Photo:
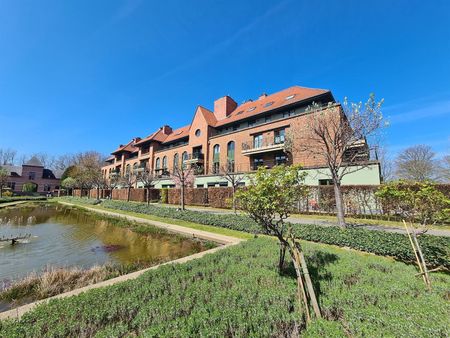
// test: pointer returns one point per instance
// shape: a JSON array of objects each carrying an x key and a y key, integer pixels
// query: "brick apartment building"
[
  {"x": 33, "y": 173},
  {"x": 246, "y": 136}
]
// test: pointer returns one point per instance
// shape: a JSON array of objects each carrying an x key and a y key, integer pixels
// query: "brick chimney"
[
  {"x": 223, "y": 107},
  {"x": 166, "y": 130}
]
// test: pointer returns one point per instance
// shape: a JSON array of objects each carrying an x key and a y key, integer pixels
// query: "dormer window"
[
  {"x": 268, "y": 104},
  {"x": 290, "y": 97},
  {"x": 240, "y": 112},
  {"x": 251, "y": 109}
]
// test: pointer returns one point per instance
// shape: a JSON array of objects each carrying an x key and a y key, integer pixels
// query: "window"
[
  {"x": 158, "y": 163},
  {"x": 268, "y": 104},
  {"x": 176, "y": 160},
  {"x": 198, "y": 132},
  {"x": 280, "y": 136},
  {"x": 239, "y": 112},
  {"x": 288, "y": 113},
  {"x": 257, "y": 141},
  {"x": 257, "y": 162},
  {"x": 236, "y": 126},
  {"x": 230, "y": 155},
  {"x": 31, "y": 175},
  {"x": 200, "y": 185},
  {"x": 164, "y": 162},
  {"x": 127, "y": 169},
  {"x": 216, "y": 159},
  {"x": 223, "y": 184},
  {"x": 11, "y": 185},
  {"x": 267, "y": 118},
  {"x": 251, "y": 123},
  {"x": 280, "y": 159},
  {"x": 325, "y": 182},
  {"x": 135, "y": 167},
  {"x": 290, "y": 97},
  {"x": 251, "y": 109},
  {"x": 211, "y": 184},
  {"x": 184, "y": 157}
]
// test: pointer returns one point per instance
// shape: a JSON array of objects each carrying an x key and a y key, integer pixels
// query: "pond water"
[{"x": 63, "y": 236}]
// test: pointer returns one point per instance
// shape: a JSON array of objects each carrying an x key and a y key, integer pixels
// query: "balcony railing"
[
  {"x": 194, "y": 158},
  {"x": 162, "y": 172},
  {"x": 263, "y": 145}
]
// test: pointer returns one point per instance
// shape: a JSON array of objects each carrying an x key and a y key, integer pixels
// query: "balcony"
[
  {"x": 263, "y": 145},
  {"x": 162, "y": 173},
  {"x": 194, "y": 158}
]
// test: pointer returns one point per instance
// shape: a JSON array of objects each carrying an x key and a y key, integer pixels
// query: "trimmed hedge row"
[
  {"x": 436, "y": 249},
  {"x": 22, "y": 198}
]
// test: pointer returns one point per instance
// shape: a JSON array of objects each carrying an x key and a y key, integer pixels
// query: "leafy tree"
[
  {"x": 269, "y": 200},
  {"x": 339, "y": 135},
  {"x": 3, "y": 180},
  {"x": 29, "y": 187},
  {"x": 69, "y": 183},
  {"x": 417, "y": 163}
]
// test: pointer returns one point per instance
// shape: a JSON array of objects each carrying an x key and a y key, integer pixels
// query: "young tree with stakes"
[
  {"x": 269, "y": 200},
  {"x": 128, "y": 181},
  {"x": 421, "y": 205},
  {"x": 339, "y": 135}
]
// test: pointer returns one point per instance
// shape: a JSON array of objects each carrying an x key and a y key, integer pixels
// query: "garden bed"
[{"x": 238, "y": 292}]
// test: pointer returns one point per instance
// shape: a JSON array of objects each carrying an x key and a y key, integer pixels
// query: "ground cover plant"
[
  {"x": 436, "y": 249},
  {"x": 239, "y": 292}
]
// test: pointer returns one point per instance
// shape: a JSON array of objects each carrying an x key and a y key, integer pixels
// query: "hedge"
[
  {"x": 435, "y": 248},
  {"x": 22, "y": 198}
]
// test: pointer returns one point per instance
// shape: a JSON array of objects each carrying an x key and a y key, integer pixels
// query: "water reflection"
[{"x": 64, "y": 236}]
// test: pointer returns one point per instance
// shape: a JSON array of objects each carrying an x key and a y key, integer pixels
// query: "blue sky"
[{"x": 80, "y": 75}]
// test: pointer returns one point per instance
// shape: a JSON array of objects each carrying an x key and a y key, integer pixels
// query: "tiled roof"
[
  {"x": 12, "y": 170},
  {"x": 34, "y": 162},
  {"x": 129, "y": 147},
  {"x": 270, "y": 102},
  {"x": 178, "y": 134},
  {"x": 209, "y": 116}
]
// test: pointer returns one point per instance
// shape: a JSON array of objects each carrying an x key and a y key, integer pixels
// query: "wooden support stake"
[
  {"x": 425, "y": 270},
  {"x": 415, "y": 253}
]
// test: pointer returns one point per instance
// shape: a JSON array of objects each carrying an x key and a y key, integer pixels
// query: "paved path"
[
  {"x": 222, "y": 239},
  {"x": 300, "y": 220}
]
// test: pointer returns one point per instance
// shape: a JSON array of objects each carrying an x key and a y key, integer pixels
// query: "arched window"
[
  {"x": 216, "y": 159},
  {"x": 184, "y": 157},
  {"x": 158, "y": 163},
  {"x": 127, "y": 169},
  {"x": 135, "y": 167},
  {"x": 176, "y": 161},
  {"x": 164, "y": 163},
  {"x": 230, "y": 155}
]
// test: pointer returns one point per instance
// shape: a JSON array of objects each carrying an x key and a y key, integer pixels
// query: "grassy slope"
[{"x": 238, "y": 292}]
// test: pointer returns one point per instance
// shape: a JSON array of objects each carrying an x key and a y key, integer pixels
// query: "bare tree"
[
  {"x": 89, "y": 169},
  {"x": 62, "y": 162},
  {"x": 417, "y": 163},
  {"x": 3, "y": 180},
  {"x": 183, "y": 176},
  {"x": 148, "y": 180},
  {"x": 7, "y": 156},
  {"x": 386, "y": 165},
  {"x": 444, "y": 169},
  {"x": 128, "y": 180},
  {"x": 112, "y": 182},
  {"x": 235, "y": 179},
  {"x": 338, "y": 135}
]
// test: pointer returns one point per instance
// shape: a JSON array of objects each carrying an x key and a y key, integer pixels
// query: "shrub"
[
  {"x": 22, "y": 198},
  {"x": 436, "y": 249},
  {"x": 164, "y": 195}
]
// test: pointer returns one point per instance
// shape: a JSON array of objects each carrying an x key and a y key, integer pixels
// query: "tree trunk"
[
  {"x": 182, "y": 196},
  {"x": 128, "y": 194},
  {"x": 148, "y": 196},
  {"x": 339, "y": 203},
  {"x": 1, "y": 192},
  {"x": 234, "y": 203},
  {"x": 282, "y": 256},
  {"x": 98, "y": 193}
]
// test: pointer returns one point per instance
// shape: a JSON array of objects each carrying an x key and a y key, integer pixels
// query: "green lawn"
[{"x": 238, "y": 292}]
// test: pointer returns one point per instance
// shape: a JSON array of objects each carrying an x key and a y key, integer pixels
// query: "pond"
[{"x": 64, "y": 236}]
